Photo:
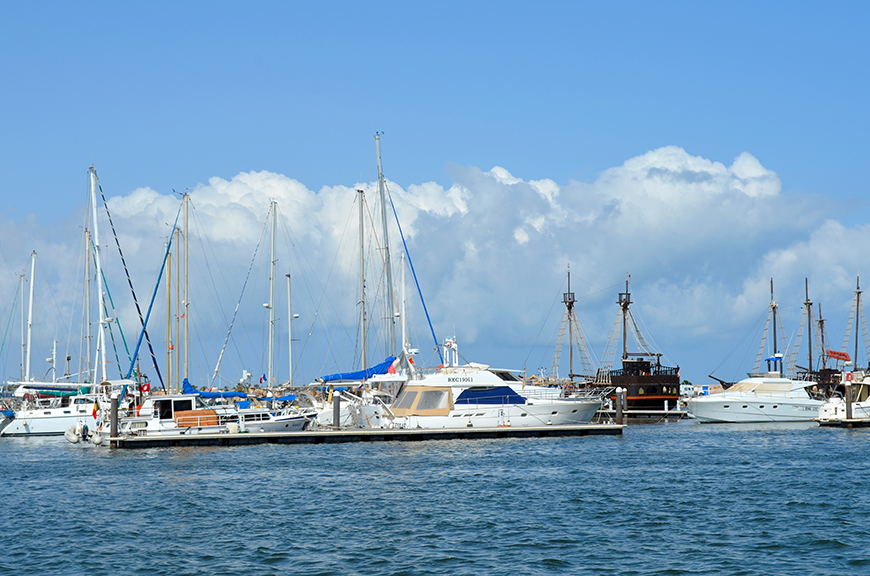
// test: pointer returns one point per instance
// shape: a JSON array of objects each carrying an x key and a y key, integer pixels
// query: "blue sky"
[{"x": 164, "y": 96}]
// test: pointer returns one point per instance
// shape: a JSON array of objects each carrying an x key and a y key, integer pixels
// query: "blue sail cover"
[
  {"x": 498, "y": 395},
  {"x": 189, "y": 389},
  {"x": 381, "y": 368}
]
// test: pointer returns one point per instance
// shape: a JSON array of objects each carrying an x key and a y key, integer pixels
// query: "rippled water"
[{"x": 661, "y": 499}]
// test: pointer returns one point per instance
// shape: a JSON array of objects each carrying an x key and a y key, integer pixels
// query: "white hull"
[
  {"x": 740, "y": 408},
  {"x": 27, "y": 424},
  {"x": 834, "y": 410},
  {"x": 542, "y": 413}
]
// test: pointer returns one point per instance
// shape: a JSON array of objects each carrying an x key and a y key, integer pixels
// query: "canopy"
[{"x": 381, "y": 368}]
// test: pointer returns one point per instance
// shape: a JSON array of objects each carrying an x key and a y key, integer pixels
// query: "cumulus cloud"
[{"x": 700, "y": 238}]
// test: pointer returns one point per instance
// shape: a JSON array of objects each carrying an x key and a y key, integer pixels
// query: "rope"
[
  {"x": 236, "y": 311},
  {"x": 151, "y": 306},
  {"x": 130, "y": 283},
  {"x": 414, "y": 273}
]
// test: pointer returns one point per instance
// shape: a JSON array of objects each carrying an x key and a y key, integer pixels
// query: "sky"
[{"x": 702, "y": 148}]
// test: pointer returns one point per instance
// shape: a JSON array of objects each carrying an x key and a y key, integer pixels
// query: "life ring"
[
  {"x": 849, "y": 376},
  {"x": 139, "y": 407}
]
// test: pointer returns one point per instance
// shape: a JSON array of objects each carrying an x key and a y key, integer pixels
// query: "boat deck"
[{"x": 364, "y": 435}]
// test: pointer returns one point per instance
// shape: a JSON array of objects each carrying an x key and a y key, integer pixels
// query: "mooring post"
[
  {"x": 336, "y": 411},
  {"x": 620, "y": 401},
  {"x": 113, "y": 417},
  {"x": 848, "y": 400}
]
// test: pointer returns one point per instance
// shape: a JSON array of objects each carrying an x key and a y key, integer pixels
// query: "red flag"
[{"x": 95, "y": 409}]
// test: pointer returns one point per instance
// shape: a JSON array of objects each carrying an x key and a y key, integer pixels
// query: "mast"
[
  {"x": 185, "y": 309},
  {"x": 289, "y": 331},
  {"x": 169, "y": 315},
  {"x": 568, "y": 300},
  {"x": 822, "y": 335},
  {"x": 177, "y": 346},
  {"x": 857, "y": 319},
  {"x": 391, "y": 311},
  {"x": 23, "y": 326},
  {"x": 101, "y": 340},
  {"x": 624, "y": 303},
  {"x": 402, "y": 317},
  {"x": 809, "y": 306},
  {"x": 272, "y": 209},
  {"x": 30, "y": 317},
  {"x": 362, "y": 284},
  {"x": 88, "y": 337}
]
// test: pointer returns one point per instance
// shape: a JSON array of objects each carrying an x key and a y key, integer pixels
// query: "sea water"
[{"x": 679, "y": 498}]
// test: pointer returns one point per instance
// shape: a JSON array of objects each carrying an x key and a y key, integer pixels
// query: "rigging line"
[
  {"x": 414, "y": 273},
  {"x": 151, "y": 305},
  {"x": 114, "y": 315},
  {"x": 130, "y": 283},
  {"x": 235, "y": 312},
  {"x": 9, "y": 322}
]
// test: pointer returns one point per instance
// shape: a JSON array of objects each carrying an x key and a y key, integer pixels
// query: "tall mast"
[
  {"x": 101, "y": 340},
  {"x": 169, "y": 315},
  {"x": 773, "y": 315},
  {"x": 822, "y": 335},
  {"x": 185, "y": 309},
  {"x": 23, "y": 326},
  {"x": 857, "y": 319},
  {"x": 809, "y": 306},
  {"x": 289, "y": 331},
  {"x": 88, "y": 337},
  {"x": 568, "y": 300},
  {"x": 624, "y": 303},
  {"x": 273, "y": 209},
  {"x": 30, "y": 316},
  {"x": 177, "y": 347},
  {"x": 402, "y": 317},
  {"x": 390, "y": 308},
  {"x": 362, "y": 284}
]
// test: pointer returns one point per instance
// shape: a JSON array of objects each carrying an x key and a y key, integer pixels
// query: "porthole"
[
  {"x": 745, "y": 406},
  {"x": 554, "y": 412}
]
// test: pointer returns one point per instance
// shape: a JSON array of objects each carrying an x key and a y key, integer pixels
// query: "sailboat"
[
  {"x": 51, "y": 408},
  {"x": 780, "y": 394},
  {"x": 852, "y": 400},
  {"x": 648, "y": 384}
]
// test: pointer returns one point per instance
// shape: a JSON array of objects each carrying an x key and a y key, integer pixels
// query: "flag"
[
  {"x": 262, "y": 378},
  {"x": 95, "y": 409},
  {"x": 146, "y": 387},
  {"x": 392, "y": 368}
]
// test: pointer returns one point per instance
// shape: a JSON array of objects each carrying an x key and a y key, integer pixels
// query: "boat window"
[
  {"x": 163, "y": 408},
  {"x": 761, "y": 407},
  {"x": 726, "y": 406},
  {"x": 555, "y": 412},
  {"x": 432, "y": 400},
  {"x": 406, "y": 399},
  {"x": 83, "y": 401},
  {"x": 523, "y": 414},
  {"x": 745, "y": 406},
  {"x": 186, "y": 404}
]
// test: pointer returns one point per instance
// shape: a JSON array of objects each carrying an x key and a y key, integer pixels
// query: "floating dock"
[
  {"x": 845, "y": 423},
  {"x": 645, "y": 416},
  {"x": 363, "y": 435}
]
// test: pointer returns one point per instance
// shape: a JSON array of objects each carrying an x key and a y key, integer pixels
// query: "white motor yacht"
[{"x": 767, "y": 398}]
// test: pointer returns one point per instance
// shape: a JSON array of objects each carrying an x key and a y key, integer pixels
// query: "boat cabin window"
[
  {"x": 83, "y": 400},
  {"x": 163, "y": 409},
  {"x": 506, "y": 376},
  {"x": 185, "y": 404},
  {"x": 432, "y": 400},
  {"x": 406, "y": 400}
]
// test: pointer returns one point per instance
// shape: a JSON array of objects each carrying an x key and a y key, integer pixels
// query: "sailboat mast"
[
  {"x": 23, "y": 326},
  {"x": 177, "y": 346},
  {"x": 390, "y": 308},
  {"x": 773, "y": 314},
  {"x": 857, "y": 319},
  {"x": 185, "y": 309},
  {"x": 822, "y": 334},
  {"x": 88, "y": 338},
  {"x": 289, "y": 331},
  {"x": 569, "y": 303},
  {"x": 101, "y": 340},
  {"x": 624, "y": 303},
  {"x": 271, "y": 378},
  {"x": 362, "y": 284},
  {"x": 169, "y": 315},
  {"x": 30, "y": 317},
  {"x": 809, "y": 306}
]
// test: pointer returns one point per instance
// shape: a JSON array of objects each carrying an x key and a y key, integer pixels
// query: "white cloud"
[{"x": 700, "y": 238}]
